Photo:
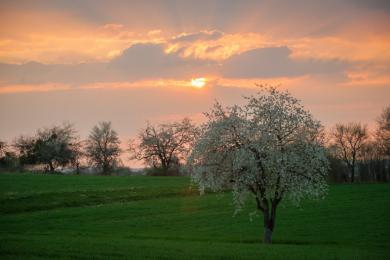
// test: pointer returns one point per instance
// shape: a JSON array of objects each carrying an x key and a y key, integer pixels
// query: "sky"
[{"x": 130, "y": 62}]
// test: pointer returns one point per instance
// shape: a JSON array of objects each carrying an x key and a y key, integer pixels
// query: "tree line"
[
  {"x": 270, "y": 149},
  {"x": 162, "y": 147},
  {"x": 354, "y": 153}
]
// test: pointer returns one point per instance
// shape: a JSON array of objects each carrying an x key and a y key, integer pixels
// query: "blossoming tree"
[{"x": 270, "y": 149}]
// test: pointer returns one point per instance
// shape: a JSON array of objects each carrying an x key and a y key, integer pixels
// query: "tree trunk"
[
  {"x": 269, "y": 223},
  {"x": 267, "y": 236},
  {"x": 353, "y": 173},
  {"x": 77, "y": 168},
  {"x": 51, "y": 167},
  {"x": 165, "y": 169},
  {"x": 369, "y": 172},
  {"x": 346, "y": 175},
  {"x": 106, "y": 168}
]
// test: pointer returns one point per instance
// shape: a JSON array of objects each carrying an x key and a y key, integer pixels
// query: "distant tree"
[
  {"x": 3, "y": 148},
  {"x": 337, "y": 170},
  {"x": 52, "y": 147},
  {"x": 382, "y": 146},
  {"x": 348, "y": 140},
  {"x": 102, "y": 147},
  {"x": 56, "y": 146},
  {"x": 382, "y": 133},
  {"x": 78, "y": 154},
  {"x": 8, "y": 159},
  {"x": 164, "y": 145},
  {"x": 270, "y": 149},
  {"x": 367, "y": 161},
  {"x": 25, "y": 145}
]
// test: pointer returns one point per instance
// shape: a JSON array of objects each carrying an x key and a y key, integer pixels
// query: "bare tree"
[
  {"x": 369, "y": 156},
  {"x": 102, "y": 147},
  {"x": 348, "y": 140},
  {"x": 165, "y": 144},
  {"x": 382, "y": 133},
  {"x": 78, "y": 155}
]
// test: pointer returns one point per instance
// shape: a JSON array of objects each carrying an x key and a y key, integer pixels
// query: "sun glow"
[{"x": 198, "y": 82}]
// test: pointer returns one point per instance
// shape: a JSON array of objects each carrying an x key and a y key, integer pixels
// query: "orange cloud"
[
  {"x": 36, "y": 37},
  {"x": 49, "y": 87},
  {"x": 71, "y": 40},
  {"x": 158, "y": 83},
  {"x": 23, "y": 88},
  {"x": 367, "y": 78},
  {"x": 252, "y": 83},
  {"x": 217, "y": 49},
  {"x": 373, "y": 47}
]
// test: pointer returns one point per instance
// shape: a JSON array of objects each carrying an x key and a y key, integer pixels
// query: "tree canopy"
[
  {"x": 102, "y": 147},
  {"x": 270, "y": 148},
  {"x": 53, "y": 147},
  {"x": 164, "y": 145}
]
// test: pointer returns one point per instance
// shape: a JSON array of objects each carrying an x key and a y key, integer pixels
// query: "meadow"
[{"x": 84, "y": 217}]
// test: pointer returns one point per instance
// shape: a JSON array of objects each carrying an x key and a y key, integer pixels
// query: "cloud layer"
[
  {"x": 276, "y": 62},
  {"x": 151, "y": 61}
]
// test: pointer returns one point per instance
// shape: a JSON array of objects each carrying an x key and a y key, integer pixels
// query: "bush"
[
  {"x": 9, "y": 162},
  {"x": 153, "y": 171}
]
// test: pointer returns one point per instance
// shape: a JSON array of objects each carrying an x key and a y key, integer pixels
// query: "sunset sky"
[{"x": 132, "y": 61}]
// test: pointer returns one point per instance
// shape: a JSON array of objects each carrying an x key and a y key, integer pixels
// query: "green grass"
[{"x": 84, "y": 217}]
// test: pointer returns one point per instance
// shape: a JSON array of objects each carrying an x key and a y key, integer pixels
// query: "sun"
[{"x": 198, "y": 82}]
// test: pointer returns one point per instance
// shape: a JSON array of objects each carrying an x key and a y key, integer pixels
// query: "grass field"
[{"x": 84, "y": 217}]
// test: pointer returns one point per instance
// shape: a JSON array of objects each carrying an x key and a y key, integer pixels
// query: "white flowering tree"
[{"x": 269, "y": 149}]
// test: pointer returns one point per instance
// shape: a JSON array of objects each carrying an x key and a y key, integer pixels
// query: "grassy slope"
[{"x": 148, "y": 217}]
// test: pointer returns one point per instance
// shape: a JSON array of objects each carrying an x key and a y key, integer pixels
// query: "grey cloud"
[
  {"x": 149, "y": 61},
  {"x": 383, "y": 5},
  {"x": 35, "y": 73},
  {"x": 276, "y": 62},
  {"x": 224, "y": 15},
  {"x": 203, "y": 35},
  {"x": 138, "y": 62}
]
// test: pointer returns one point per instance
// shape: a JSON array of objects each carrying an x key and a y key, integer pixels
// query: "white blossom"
[{"x": 270, "y": 148}]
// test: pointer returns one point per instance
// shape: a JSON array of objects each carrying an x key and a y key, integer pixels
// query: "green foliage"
[
  {"x": 9, "y": 162},
  {"x": 84, "y": 217},
  {"x": 158, "y": 171},
  {"x": 53, "y": 147}
]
